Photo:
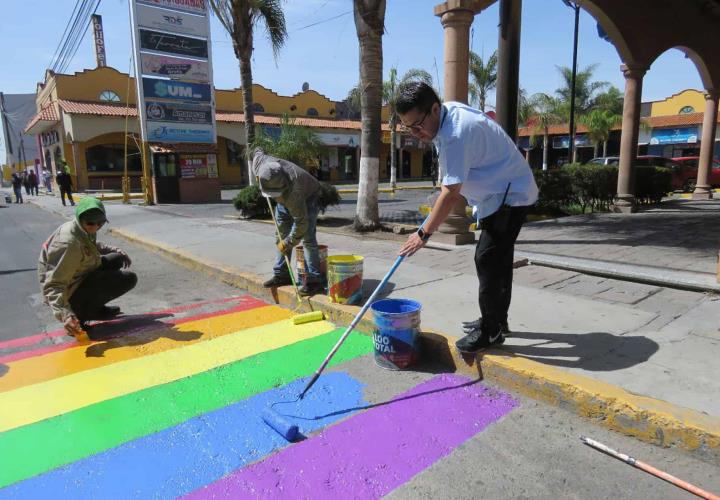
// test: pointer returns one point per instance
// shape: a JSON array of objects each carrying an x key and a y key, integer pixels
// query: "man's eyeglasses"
[{"x": 415, "y": 127}]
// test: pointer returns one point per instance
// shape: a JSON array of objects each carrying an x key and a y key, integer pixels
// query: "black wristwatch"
[{"x": 423, "y": 235}]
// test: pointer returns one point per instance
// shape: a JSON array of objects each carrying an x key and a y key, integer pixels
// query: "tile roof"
[
  {"x": 47, "y": 114},
  {"x": 686, "y": 119},
  {"x": 108, "y": 109}
]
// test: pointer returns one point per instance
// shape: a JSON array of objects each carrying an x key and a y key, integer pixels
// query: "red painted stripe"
[
  {"x": 247, "y": 304},
  {"x": 36, "y": 339}
]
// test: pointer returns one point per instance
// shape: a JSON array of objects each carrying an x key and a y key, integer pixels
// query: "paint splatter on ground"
[{"x": 169, "y": 404}]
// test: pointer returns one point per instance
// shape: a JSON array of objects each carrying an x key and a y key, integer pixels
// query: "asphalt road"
[
  {"x": 23, "y": 229},
  {"x": 531, "y": 452}
]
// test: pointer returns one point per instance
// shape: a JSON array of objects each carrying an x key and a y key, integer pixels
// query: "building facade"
[{"x": 89, "y": 120}]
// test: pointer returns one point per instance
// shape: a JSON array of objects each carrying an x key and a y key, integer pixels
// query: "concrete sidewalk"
[{"x": 638, "y": 358}]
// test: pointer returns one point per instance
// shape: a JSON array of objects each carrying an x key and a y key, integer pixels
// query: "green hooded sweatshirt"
[{"x": 67, "y": 257}]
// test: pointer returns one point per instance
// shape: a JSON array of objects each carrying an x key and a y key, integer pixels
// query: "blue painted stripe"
[{"x": 197, "y": 452}]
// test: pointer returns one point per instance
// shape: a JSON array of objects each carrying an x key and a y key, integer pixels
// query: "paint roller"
[{"x": 279, "y": 423}]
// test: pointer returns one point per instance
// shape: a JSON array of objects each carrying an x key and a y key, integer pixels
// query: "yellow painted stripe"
[
  {"x": 34, "y": 370},
  {"x": 41, "y": 401}
]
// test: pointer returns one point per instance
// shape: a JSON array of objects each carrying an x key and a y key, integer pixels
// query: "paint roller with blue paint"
[{"x": 278, "y": 422}]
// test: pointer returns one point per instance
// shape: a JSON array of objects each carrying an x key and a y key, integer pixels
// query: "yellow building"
[{"x": 85, "y": 119}]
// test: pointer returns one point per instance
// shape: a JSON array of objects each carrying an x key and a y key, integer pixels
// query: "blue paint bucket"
[{"x": 396, "y": 337}]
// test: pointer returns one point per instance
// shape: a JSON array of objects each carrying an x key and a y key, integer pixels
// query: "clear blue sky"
[{"x": 326, "y": 55}]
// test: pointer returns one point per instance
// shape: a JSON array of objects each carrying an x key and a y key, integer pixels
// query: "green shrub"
[
  {"x": 576, "y": 188},
  {"x": 328, "y": 196},
  {"x": 555, "y": 189},
  {"x": 652, "y": 183},
  {"x": 251, "y": 203}
]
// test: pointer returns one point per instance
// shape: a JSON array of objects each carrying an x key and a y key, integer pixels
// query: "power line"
[
  {"x": 67, "y": 25},
  {"x": 323, "y": 21},
  {"x": 80, "y": 36},
  {"x": 71, "y": 34}
]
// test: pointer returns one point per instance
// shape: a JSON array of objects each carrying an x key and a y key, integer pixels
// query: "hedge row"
[{"x": 594, "y": 186}]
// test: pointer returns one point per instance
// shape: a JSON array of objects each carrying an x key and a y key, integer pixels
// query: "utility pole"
[
  {"x": 571, "y": 145},
  {"x": 6, "y": 133}
]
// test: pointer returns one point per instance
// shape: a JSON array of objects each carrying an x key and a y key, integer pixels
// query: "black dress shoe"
[
  {"x": 311, "y": 289},
  {"x": 277, "y": 280}
]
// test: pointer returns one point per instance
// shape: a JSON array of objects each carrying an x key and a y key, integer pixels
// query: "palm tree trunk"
[
  {"x": 546, "y": 138},
  {"x": 369, "y": 22},
  {"x": 393, "y": 153},
  {"x": 596, "y": 149},
  {"x": 249, "y": 112},
  {"x": 605, "y": 148}
]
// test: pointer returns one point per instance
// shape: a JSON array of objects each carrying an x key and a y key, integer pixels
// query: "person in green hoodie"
[{"x": 80, "y": 275}]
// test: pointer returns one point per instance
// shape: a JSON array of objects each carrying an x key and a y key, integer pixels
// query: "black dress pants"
[{"x": 494, "y": 264}]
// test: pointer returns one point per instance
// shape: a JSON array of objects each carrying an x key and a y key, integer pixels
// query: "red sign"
[{"x": 193, "y": 166}]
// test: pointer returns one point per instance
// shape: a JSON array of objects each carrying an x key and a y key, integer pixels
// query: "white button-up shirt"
[{"x": 473, "y": 150}]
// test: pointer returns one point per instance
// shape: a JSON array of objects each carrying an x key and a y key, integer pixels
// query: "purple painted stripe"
[{"x": 369, "y": 455}]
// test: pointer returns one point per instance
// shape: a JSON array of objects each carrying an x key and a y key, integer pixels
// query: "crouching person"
[
  {"x": 78, "y": 274},
  {"x": 296, "y": 193}
]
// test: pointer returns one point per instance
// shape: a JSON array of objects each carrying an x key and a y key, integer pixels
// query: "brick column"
[
  {"x": 625, "y": 198},
  {"x": 456, "y": 23},
  {"x": 703, "y": 190}
]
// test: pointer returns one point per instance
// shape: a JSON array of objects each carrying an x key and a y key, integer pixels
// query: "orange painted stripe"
[
  {"x": 81, "y": 358},
  {"x": 245, "y": 301}
]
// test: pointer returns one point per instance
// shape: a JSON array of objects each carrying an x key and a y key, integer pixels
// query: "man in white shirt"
[{"x": 482, "y": 164}]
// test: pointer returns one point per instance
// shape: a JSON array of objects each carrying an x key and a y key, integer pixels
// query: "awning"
[{"x": 42, "y": 121}]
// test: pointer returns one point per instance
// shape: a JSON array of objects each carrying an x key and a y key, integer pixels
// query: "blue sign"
[
  {"x": 167, "y": 132},
  {"x": 683, "y": 135},
  {"x": 181, "y": 91}
]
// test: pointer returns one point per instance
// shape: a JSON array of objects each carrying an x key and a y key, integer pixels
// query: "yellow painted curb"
[
  {"x": 648, "y": 419},
  {"x": 651, "y": 420}
]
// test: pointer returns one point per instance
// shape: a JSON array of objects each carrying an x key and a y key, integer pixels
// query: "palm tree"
[
  {"x": 524, "y": 114},
  {"x": 295, "y": 143},
  {"x": 546, "y": 113},
  {"x": 370, "y": 26},
  {"x": 610, "y": 100},
  {"x": 586, "y": 93},
  {"x": 239, "y": 18},
  {"x": 599, "y": 123},
  {"x": 483, "y": 77},
  {"x": 390, "y": 97}
]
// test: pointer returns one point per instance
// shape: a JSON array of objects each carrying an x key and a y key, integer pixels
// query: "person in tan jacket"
[{"x": 79, "y": 275}]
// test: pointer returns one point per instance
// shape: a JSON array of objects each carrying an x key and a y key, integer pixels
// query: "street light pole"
[{"x": 571, "y": 145}]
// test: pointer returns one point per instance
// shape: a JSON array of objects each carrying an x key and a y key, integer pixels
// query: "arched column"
[
  {"x": 456, "y": 20},
  {"x": 625, "y": 198},
  {"x": 703, "y": 190},
  {"x": 456, "y": 24}
]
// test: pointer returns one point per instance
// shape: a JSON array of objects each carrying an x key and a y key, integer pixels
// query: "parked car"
[
  {"x": 657, "y": 161},
  {"x": 685, "y": 176},
  {"x": 605, "y": 160}
]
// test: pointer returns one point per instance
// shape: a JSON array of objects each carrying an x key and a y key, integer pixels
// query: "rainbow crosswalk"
[{"x": 171, "y": 408}]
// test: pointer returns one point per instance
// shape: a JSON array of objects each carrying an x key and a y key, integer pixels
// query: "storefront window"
[
  {"x": 235, "y": 153},
  {"x": 111, "y": 158}
]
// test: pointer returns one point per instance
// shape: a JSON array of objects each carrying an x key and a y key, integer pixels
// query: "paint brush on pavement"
[{"x": 649, "y": 469}]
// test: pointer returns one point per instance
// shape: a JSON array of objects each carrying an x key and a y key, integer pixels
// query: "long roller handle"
[{"x": 357, "y": 319}]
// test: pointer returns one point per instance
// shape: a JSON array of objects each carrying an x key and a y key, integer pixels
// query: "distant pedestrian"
[
  {"x": 47, "y": 180},
  {"x": 26, "y": 182},
  {"x": 33, "y": 181},
  {"x": 17, "y": 185},
  {"x": 64, "y": 182},
  {"x": 434, "y": 168}
]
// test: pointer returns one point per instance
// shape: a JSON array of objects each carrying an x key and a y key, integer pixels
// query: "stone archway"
[{"x": 640, "y": 31}]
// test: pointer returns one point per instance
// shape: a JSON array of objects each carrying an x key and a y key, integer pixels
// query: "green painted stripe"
[{"x": 45, "y": 445}]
